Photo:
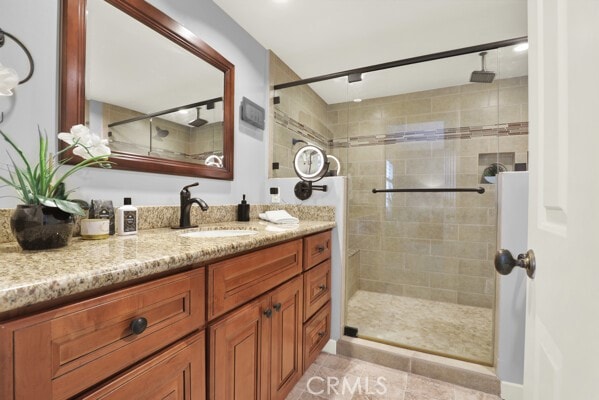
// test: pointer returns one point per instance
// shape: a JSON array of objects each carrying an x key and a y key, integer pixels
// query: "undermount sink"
[{"x": 219, "y": 233}]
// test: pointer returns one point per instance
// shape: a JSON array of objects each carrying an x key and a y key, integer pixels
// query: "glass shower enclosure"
[{"x": 419, "y": 267}]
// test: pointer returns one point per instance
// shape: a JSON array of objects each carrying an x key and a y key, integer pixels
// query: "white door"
[{"x": 562, "y": 332}]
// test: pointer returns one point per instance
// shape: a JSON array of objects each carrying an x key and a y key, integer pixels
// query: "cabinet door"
[
  {"x": 237, "y": 345},
  {"x": 286, "y": 338},
  {"x": 175, "y": 374},
  {"x": 65, "y": 351}
]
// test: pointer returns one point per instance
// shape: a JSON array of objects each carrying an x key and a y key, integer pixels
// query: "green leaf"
[
  {"x": 18, "y": 150},
  {"x": 47, "y": 202},
  {"x": 70, "y": 207},
  {"x": 22, "y": 186}
]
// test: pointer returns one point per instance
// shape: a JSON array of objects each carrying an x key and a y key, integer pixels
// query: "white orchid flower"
[
  {"x": 8, "y": 80},
  {"x": 87, "y": 144}
]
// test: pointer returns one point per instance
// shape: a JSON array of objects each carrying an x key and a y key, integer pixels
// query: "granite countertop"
[{"x": 31, "y": 277}]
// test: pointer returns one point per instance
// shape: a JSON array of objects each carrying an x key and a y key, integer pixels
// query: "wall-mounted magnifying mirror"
[{"x": 311, "y": 165}]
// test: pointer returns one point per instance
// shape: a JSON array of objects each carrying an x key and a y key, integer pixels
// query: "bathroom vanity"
[{"x": 242, "y": 317}]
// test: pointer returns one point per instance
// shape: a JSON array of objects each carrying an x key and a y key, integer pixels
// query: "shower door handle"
[{"x": 505, "y": 262}]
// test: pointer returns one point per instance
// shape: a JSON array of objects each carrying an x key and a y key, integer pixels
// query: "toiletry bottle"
[
  {"x": 243, "y": 210},
  {"x": 103, "y": 209},
  {"x": 127, "y": 218}
]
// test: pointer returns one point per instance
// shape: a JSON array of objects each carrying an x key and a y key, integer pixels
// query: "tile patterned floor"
[
  {"x": 454, "y": 329},
  {"x": 398, "y": 385}
]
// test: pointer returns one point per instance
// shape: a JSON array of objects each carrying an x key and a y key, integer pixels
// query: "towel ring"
[{"x": 25, "y": 50}]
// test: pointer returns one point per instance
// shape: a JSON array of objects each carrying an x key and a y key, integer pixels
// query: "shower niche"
[{"x": 491, "y": 164}]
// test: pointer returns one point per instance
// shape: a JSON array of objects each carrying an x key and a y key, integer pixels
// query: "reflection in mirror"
[
  {"x": 160, "y": 95},
  {"x": 310, "y": 163},
  {"x": 147, "y": 95}
]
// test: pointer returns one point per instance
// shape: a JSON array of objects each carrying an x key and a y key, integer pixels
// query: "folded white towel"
[{"x": 278, "y": 217}]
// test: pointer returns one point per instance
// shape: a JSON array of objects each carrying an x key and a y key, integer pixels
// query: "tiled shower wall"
[
  {"x": 436, "y": 246},
  {"x": 301, "y": 114}
]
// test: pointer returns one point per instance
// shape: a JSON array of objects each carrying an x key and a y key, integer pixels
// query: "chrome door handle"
[{"x": 505, "y": 262}]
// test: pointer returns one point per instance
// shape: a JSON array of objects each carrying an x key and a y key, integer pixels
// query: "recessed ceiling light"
[
  {"x": 357, "y": 100},
  {"x": 521, "y": 47}
]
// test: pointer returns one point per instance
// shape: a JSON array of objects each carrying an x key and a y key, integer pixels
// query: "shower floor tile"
[{"x": 454, "y": 330}]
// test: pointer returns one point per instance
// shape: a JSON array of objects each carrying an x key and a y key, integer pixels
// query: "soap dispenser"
[
  {"x": 126, "y": 218},
  {"x": 243, "y": 210}
]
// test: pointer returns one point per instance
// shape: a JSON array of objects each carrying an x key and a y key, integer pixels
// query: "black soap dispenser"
[{"x": 243, "y": 210}]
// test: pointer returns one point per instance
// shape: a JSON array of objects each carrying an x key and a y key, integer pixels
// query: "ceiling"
[{"x": 316, "y": 37}]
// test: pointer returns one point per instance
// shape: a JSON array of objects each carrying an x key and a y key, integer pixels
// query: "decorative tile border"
[
  {"x": 466, "y": 132},
  {"x": 310, "y": 134},
  {"x": 401, "y": 136}
]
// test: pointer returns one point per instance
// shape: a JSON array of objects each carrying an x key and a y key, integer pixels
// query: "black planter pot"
[{"x": 39, "y": 227}]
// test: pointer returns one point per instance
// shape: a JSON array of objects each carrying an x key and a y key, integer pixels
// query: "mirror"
[
  {"x": 160, "y": 95},
  {"x": 310, "y": 163}
]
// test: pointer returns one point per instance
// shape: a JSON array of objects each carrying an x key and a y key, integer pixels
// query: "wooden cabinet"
[
  {"x": 62, "y": 352},
  {"x": 286, "y": 338},
  {"x": 317, "y": 248},
  {"x": 317, "y": 332},
  {"x": 256, "y": 351},
  {"x": 317, "y": 296},
  {"x": 317, "y": 288},
  {"x": 236, "y": 281},
  {"x": 269, "y": 313},
  {"x": 177, "y": 373},
  {"x": 236, "y": 346}
]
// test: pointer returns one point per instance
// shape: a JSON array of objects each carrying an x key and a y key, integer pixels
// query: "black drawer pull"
[
  {"x": 268, "y": 313},
  {"x": 322, "y": 287},
  {"x": 277, "y": 307},
  {"x": 138, "y": 325},
  {"x": 321, "y": 334},
  {"x": 320, "y": 248}
]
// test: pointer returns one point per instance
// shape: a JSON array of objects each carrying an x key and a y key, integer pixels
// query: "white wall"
[{"x": 36, "y": 23}]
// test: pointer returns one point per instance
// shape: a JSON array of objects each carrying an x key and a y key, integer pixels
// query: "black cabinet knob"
[
  {"x": 322, "y": 287},
  {"x": 321, "y": 333},
  {"x": 277, "y": 307},
  {"x": 138, "y": 325},
  {"x": 320, "y": 248},
  {"x": 268, "y": 313}
]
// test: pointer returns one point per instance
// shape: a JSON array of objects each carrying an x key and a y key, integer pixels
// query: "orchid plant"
[{"x": 41, "y": 184}]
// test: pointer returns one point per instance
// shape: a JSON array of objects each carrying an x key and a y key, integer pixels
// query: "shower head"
[
  {"x": 296, "y": 141},
  {"x": 161, "y": 133},
  {"x": 482, "y": 76},
  {"x": 197, "y": 122}
]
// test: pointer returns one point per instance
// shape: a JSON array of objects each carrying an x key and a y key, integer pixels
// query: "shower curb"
[{"x": 469, "y": 375}]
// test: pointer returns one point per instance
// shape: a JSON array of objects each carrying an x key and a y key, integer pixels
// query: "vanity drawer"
[
  {"x": 236, "y": 281},
  {"x": 317, "y": 332},
  {"x": 62, "y": 352},
  {"x": 317, "y": 248},
  {"x": 178, "y": 373},
  {"x": 317, "y": 288}
]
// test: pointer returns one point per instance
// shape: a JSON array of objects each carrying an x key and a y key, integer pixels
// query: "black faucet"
[{"x": 186, "y": 203}]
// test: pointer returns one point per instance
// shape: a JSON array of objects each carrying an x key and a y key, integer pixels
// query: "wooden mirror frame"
[{"x": 72, "y": 85}]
